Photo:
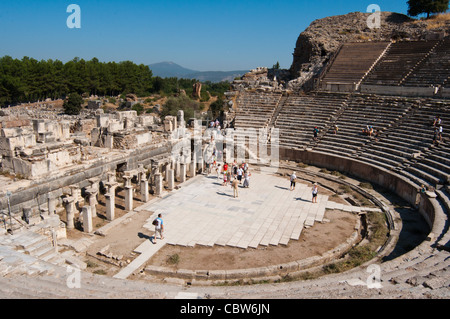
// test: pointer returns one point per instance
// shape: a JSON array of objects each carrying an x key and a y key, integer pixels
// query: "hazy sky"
[{"x": 218, "y": 35}]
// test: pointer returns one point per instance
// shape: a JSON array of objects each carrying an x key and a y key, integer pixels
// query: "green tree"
[
  {"x": 217, "y": 107},
  {"x": 73, "y": 104},
  {"x": 417, "y": 7},
  {"x": 138, "y": 108},
  {"x": 182, "y": 102}
]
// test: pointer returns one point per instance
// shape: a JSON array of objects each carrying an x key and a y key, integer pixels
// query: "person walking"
[
  {"x": 159, "y": 228},
  {"x": 240, "y": 171},
  {"x": 315, "y": 132},
  {"x": 315, "y": 191},
  {"x": 246, "y": 179},
  {"x": 235, "y": 185},
  {"x": 293, "y": 179}
]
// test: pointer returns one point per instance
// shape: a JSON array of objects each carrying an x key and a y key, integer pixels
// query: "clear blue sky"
[{"x": 201, "y": 35}]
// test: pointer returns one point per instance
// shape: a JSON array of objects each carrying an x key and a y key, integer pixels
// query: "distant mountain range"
[{"x": 170, "y": 69}]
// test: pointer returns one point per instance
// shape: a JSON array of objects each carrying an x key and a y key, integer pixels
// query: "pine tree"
[
  {"x": 417, "y": 7},
  {"x": 73, "y": 104}
]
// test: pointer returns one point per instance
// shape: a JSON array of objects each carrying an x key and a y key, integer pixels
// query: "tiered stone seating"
[
  {"x": 300, "y": 114},
  {"x": 411, "y": 136},
  {"x": 254, "y": 112},
  {"x": 398, "y": 61},
  {"x": 362, "y": 110},
  {"x": 353, "y": 61},
  {"x": 255, "y": 109},
  {"x": 435, "y": 70},
  {"x": 433, "y": 167},
  {"x": 430, "y": 167}
]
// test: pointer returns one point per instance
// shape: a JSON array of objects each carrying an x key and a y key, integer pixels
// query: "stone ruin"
[
  {"x": 261, "y": 79},
  {"x": 59, "y": 164}
]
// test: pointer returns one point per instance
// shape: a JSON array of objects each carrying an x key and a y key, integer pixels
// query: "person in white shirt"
[
  {"x": 293, "y": 178},
  {"x": 315, "y": 191}
]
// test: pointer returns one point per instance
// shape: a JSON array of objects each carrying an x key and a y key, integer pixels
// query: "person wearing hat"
[
  {"x": 315, "y": 190},
  {"x": 293, "y": 178}
]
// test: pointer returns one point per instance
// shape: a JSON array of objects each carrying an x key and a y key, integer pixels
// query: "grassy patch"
[
  {"x": 344, "y": 189},
  {"x": 359, "y": 254},
  {"x": 336, "y": 173},
  {"x": 100, "y": 272},
  {"x": 173, "y": 259},
  {"x": 91, "y": 264},
  {"x": 366, "y": 185}
]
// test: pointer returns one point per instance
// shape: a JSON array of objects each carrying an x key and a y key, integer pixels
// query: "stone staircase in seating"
[
  {"x": 362, "y": 110},
  {"x": 300, "y": 114},
  {"x": 398, "y": 61}
]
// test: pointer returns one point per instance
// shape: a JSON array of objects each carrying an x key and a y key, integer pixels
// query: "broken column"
[
  {"x": 92, "y": 199},
  {"x": 111, "y": 176},
  {"x": 87, "y": 219},
  {"x": 51, "y": 204},
  {"x": 69, "y": 204},
  {"x": 75, "y": 191},
  {"x": 180, "y": 119}
]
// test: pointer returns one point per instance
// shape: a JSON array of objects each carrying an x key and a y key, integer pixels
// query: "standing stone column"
[
  {"x": 110, "y": 205},
  {"x": 171, "y": 179},
  {"x": 128, "y": 193},
  {"x": 192, "y": 168},
  {"x": 69, "y": 204},
  {"x": 166, "y": 171},
  {"x": 177, "y": 170},
  {"x": 110, "y": 197},
  {"x": 87, "y": 219},
  {"x": 144, "y": 189},
  {"x": 182, "y": 172},
  {"x": 158, "y": 184}
]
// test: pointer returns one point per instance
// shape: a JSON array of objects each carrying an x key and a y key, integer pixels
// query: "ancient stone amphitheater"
[{"x": 397, "y": 87}]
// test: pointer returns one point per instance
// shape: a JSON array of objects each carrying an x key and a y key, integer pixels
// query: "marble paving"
[{"x": 203, "y": 212}]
